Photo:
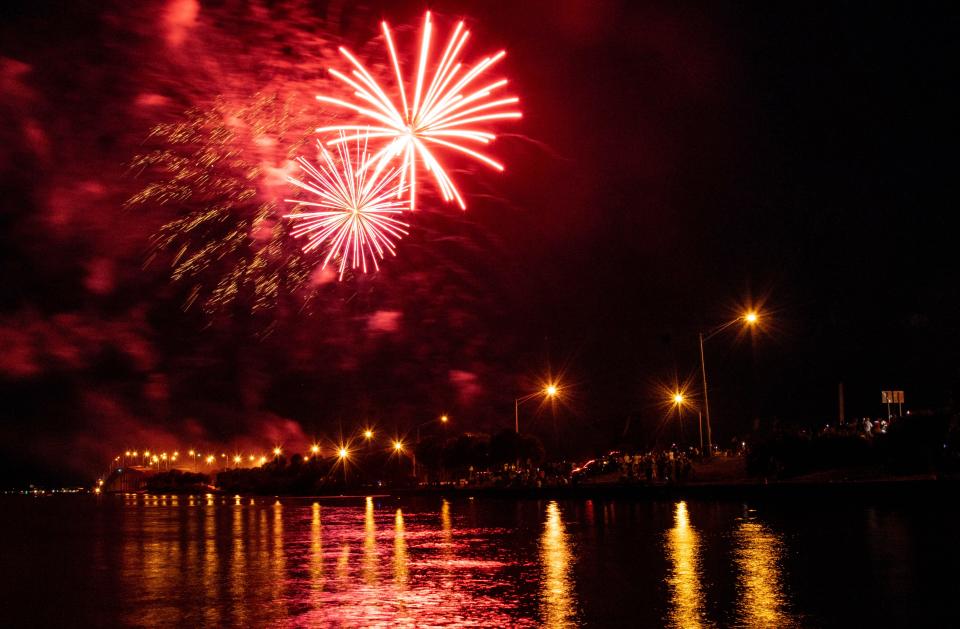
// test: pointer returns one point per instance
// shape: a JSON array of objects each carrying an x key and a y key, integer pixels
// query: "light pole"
[
  {"x": 750, "y": 318},
  {"x": 549, "y": 391},
  {"x": 342, "y": 454},
  {"x": 678, "y": 401},
  {"x": 443, "y": 419}
]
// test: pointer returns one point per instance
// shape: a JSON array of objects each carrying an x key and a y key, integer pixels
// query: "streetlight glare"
[
  {"x": 343, "y": 453},
  {"x": 398, "y": 446},
  {"x": 368, "y": 433},
  {"x": 678, "y": 398},
  {"x": 550, "y": 390},
  {"x": 444, "y": 419},
  {"x": 276, "y": 451},
  {"x": 315, "y": 449},
  {"x": 751, "y": 317}
]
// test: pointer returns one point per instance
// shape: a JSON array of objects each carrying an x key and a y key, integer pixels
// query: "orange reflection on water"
[
  {"x": 343, "y": 563},
  {"x": 369, "y": 544},
  {"x": 684, "y": 577},
  {"x": 238, "y": 567},
  {"x": 758, "y": 556},
  {"x": 400, "y": 570},
  {"x": 316, "y": 550},
  {"x": 210, "y": 576},
  {"x": 446, "y": 524},
  {"x": 557, "y": 596},
  {"x": 279, "y": 564},
  {"x": 278, "y": 558}
]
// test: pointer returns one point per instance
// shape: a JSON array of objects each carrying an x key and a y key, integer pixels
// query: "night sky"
[{"x": 674, "y": 165}]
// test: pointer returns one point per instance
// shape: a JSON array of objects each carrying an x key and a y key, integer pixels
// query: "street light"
[
  {"x": 368, "y": 434},
  {"x": 751, "y": 318},
  {"x": 443, "y": 419},
  {"x": 551, "y": 390},
  {"x": 679, "y": 401}
]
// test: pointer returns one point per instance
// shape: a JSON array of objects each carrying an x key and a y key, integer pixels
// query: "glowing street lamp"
[
  {"x": 368, "y": 434},
  {"x": 398, "y": 447},
  {"x": 277, "y": 451},
  {"x": 750, "y": 318},
  {"x": 342, "y": 455},
  {"x": 550, "y": 391}
]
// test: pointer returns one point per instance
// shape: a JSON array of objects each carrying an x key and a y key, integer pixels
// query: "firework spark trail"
[
  {"x": 358, "y": 207},
  {"x": 445, "y": 111},
  {"x": 226, "y": 243}
]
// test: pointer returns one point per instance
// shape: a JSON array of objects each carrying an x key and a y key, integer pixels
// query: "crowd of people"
[{"x": 669, "y": 466}]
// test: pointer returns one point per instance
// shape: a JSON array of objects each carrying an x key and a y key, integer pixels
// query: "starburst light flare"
[
  {"x": 357, "y": 205},
  {"x": 447, "y": 110}
]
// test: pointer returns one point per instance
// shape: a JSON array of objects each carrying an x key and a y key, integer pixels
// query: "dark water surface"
[{"x": 188, "y": 562}]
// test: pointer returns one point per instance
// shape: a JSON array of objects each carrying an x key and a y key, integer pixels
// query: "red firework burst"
[
  {"x": 358, "y": 206},
  {"x": 446, "y": 111}
]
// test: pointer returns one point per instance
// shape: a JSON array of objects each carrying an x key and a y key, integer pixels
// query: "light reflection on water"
[
  {"x": 258, "y": 563},
  {"x": 759, "y": 558},
  {"x": 217, "y": 561},
  {"x": 684, "y": 577},
  {"x": 400, "y": 570},
  {"x": 557, "y": 593}
]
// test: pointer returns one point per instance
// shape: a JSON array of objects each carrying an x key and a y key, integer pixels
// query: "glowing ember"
[
  {"x": 447, "y": 110},
  {"x": 357, "y": 205}
]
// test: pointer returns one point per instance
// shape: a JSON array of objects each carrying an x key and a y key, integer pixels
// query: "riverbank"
[
  {"x": 912, "y": 488},
  {"x": 903, "y": 488}
]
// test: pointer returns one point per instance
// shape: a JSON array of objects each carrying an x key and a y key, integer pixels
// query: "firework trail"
[
  {"x": 358, "y": 207},
  {"x": 443, "y": 110},
  {"x": 226, "y": 243}
]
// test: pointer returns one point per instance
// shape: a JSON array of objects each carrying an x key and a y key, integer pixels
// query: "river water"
[{"x": 167, "y": 561}]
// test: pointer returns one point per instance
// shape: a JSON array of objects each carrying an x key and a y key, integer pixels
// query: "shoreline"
[{"x": 909, "y": 488}]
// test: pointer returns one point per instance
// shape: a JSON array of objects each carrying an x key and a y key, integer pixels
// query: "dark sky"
[{"x": 673, "y": 165}]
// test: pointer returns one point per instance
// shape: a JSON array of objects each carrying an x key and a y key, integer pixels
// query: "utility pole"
[
  {"x": 842, "y": 414},
  {"x": 706, "y": 400}
]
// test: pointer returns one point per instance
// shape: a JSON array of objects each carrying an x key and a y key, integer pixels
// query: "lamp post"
[
  {"x": 750, "y": 318},
  {"x": 443, "y": 419},
  {"x": 678, "y": 401},
  {"x": 549, "y": 391},
  {"x": 342, "y": 454}
]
